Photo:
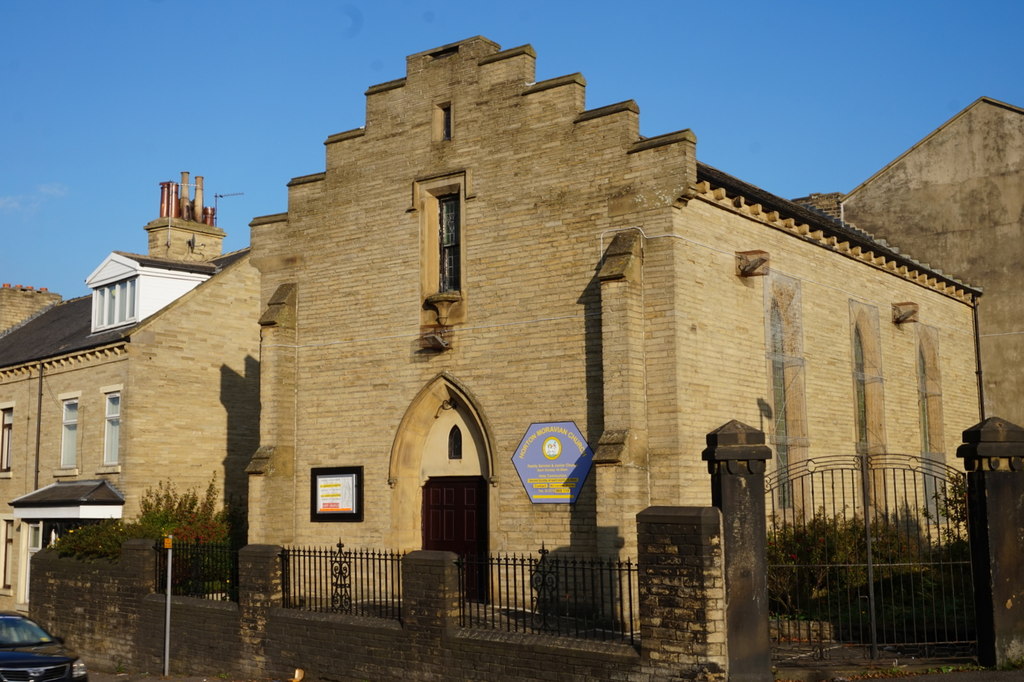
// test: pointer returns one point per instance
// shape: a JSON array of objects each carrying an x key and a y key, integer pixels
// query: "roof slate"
[
  {"x": 67, "y": 326},
  {"x": 207, "y": 267},
  {"x": 820, "y": 220},
  {"x": 64, "y": 493},
  {"x": 64, "y": 328}
]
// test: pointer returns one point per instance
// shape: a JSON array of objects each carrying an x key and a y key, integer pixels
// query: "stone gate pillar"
[
  {"x": 259, "y": 590},
  {"x": 736, "y": 456},
  {"x": 993, "y": 454},
  {"x": 682, "y": 593}
]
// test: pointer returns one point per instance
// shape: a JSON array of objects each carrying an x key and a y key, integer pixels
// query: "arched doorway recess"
[{"x": 442, "y": 471}]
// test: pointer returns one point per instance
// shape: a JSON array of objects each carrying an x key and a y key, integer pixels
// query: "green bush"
[
  {"x": 817, "y": 570},
  {"x": 187, "y": 516}
]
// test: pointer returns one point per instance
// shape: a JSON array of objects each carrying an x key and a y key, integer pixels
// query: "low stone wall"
[
  {"x": 95, "y": 605},
  {"x": 107, "y": 610}
]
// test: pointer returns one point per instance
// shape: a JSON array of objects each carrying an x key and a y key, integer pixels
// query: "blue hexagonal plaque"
[{"x": 553, "y": 461}]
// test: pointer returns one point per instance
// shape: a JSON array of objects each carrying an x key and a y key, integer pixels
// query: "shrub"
[
  {"x": 818, "y": 570},
  {"x": 163, "y": 511}
]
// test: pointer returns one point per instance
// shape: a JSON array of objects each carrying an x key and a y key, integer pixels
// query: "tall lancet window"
[{"x": 448, "y": 224}]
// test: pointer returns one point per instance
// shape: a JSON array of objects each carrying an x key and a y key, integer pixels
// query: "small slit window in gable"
[
  {"x": 443, "y": 122},
  {"x": 445, "y": 53}
]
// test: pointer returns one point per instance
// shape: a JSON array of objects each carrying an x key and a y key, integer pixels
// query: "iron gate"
[{"x": 868, "y": 557}]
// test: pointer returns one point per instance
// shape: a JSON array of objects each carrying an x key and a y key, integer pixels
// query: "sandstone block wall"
[
  {"x": 19, "y": 303},
  {"x": 110, "y": 612}
]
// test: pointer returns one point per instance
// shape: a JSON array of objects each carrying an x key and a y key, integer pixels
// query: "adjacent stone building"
[
  {"x": 151, "y": 378},
  {"x": 488, "y": 277},
  {"x": 956, "y": 200},
  {"x": 20, "y": 303}
]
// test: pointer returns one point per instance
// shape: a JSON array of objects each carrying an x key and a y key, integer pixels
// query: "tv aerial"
[{"x": 216, "y": 201}]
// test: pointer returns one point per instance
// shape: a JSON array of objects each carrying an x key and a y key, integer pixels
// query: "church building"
[{"x": 498, "y": 318}]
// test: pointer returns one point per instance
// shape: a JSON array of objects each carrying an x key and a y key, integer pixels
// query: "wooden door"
[
  {"x": 455, "y": 515},
  {"x": 455, "y": 520}
]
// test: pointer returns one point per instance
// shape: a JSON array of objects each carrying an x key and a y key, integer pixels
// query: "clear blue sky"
[{"x": 101, "y": 100}]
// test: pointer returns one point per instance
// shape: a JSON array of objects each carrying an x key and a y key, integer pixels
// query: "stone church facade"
[{"x": 487, "y": 264}]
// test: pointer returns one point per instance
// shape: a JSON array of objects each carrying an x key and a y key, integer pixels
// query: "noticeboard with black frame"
[{"x": 336, "y": 494}]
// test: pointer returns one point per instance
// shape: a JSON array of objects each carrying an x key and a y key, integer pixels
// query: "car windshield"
[{"x": 15, "y": 631}]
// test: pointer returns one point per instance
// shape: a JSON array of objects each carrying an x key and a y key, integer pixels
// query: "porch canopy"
[{"x": 95, "y": 499}]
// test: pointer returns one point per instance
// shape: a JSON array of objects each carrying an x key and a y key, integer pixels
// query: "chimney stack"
[
  {"x": 185, "y": 230},
  {"x": 186, "y": 197},
  {"x": 165, "y": 197},
  {"x": 173, "y": 206},
  {"x": 197, "y": 204}
]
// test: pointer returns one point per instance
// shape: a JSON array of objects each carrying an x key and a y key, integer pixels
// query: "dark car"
[{"x": 28, "y": 653}]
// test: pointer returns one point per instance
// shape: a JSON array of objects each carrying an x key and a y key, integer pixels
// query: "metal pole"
[
  {"x": 169, "y": 546},
  {"x": 869, "y": 504}
]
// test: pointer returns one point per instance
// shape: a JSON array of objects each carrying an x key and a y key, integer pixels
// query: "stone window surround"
[
  {"x": 783, "y": 328},
  {"x": 6, "y": 408},
  {"x": 440, "y": 309},
  {"x": 107, "y": 392},
  {"x": 867, "y": 375},
  {"x": 65, "y": 400}
]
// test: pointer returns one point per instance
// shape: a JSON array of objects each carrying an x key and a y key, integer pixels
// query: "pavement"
[
  {"x": 807, "y": 675},
  {"x": 146, "y": 677},
  {"x": 902, "y": 673}
]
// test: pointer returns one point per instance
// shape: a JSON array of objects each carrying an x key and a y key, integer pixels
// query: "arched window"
[
  {"x": 929, "y": 394},
  {"x": 922, "y": 392},
  {"x": 785, "y": 400},
  {"x": 860, "y": 390},
  {"x": 929, "y": 401},
  {"x": 869, "y": 409},
  {"x": 455, "y": 443},
  {"x": 779, "y": 403}
]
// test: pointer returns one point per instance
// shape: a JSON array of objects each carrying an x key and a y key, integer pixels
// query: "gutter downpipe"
[
  {"x": 977, "y": 358},
  {"x": 39, "y": 426}
]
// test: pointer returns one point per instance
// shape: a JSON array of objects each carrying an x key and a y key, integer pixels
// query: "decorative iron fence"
[
  {"x": 206, "y": 571},
  {"x": 555, "y": 595},
  {"x": 868, "y": 556},
  {"x": 360, "y": 582}
]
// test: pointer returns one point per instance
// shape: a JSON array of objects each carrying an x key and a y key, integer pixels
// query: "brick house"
[
  {"x": 152, "y": 377},
  {"x": 488, "y": 274},
  {"x": 956, "y": 199}
]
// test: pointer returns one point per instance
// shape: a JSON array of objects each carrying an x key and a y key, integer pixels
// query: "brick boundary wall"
[{"x": 109, "y": 613}]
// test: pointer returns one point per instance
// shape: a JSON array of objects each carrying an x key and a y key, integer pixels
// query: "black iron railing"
[
  {"x": 869, "y": 556},
  {"x": 565, "y": 596},
  {"x": 360, "y": 582},
  {"x": 206, "y": 571}
]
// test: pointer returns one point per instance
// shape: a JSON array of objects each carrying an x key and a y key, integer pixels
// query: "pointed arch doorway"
[{"x": 440, "y": 469}]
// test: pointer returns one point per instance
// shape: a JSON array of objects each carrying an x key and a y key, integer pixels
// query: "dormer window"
[
  {"x": 114, "y": 304},
  {"x": 127, "y": 288}
]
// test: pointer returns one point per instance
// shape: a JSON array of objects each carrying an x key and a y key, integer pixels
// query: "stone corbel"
[
  {"x": 280, "y": 310},
  {"x": 623, "y": 257},
  {"x": 442, "y": 303},
  {"x": 904, "y": 312},
  {"x": 264, "y": 459},
  {"x": 752, "y": 263},
  {"x": 618, "y": 446}
]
